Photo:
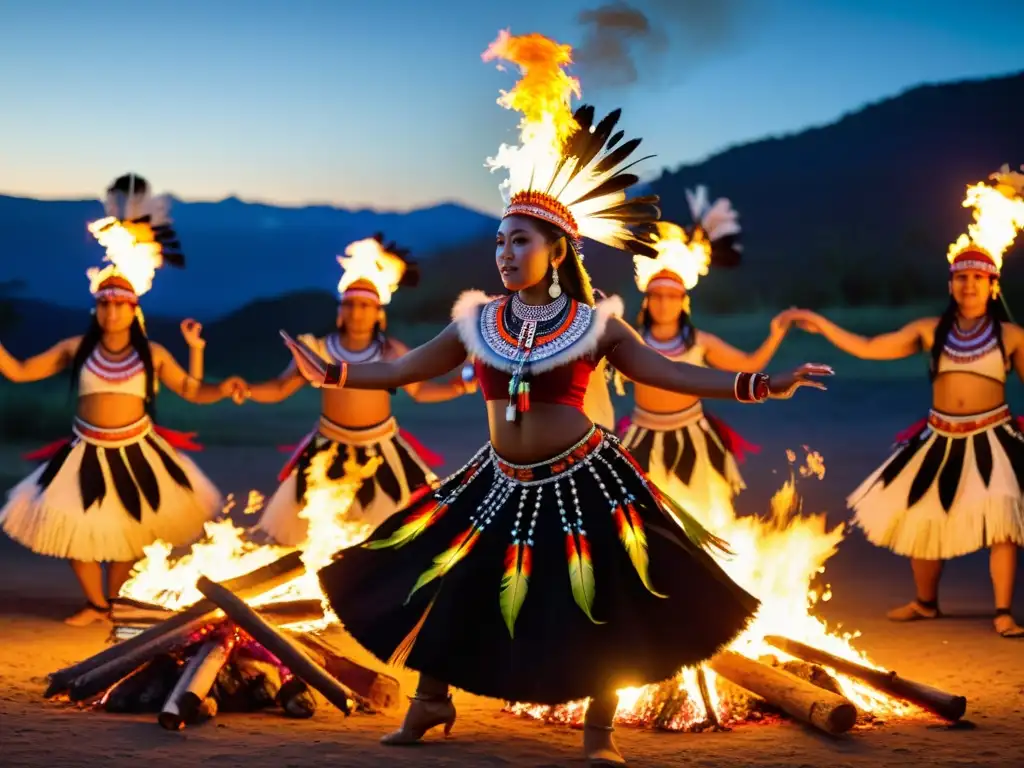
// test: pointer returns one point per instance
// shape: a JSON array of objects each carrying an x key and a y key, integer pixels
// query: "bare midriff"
[
  {"x": 960, "y": 393},
  {"x": 356, "y": 408},
  {"x": 109, "y": 410},
  {"x": 660, "y": 400},
  {"x": 540, "y": 433}
]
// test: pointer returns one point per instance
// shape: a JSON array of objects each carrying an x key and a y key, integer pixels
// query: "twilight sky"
[{"x": 387, "y": 103}]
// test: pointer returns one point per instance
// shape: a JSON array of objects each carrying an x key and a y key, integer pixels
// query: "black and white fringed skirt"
[
  {"x": 107, "y": 493},
  {"x": 401, "y": 473},
  {"x": 686, "y": 455},
  {"x": 540, "y": 583},
  {"x": 954, "y": 487}
]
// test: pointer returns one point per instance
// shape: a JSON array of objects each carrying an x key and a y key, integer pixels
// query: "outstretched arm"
[
  {"x": 429, "y": 391},
  {"x": 727, "y": 358},
  {"x": 184, "y": 385},
  {"x": 42, "y": 366},
  {"x": 908, "y": 340},
  {"x": 276, "y": 390},
  {"x": 439, "y": 356},
  {"x": 1013, "y": 340},
  {"x": 628, "y": 353}
]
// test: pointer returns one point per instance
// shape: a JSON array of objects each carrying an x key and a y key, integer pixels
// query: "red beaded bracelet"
[
  {"x": 751, "y": 387},
  {"x": 336, "y": 375}
]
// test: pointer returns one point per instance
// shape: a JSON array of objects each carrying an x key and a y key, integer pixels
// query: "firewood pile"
[{"x": 222, "y": 655}]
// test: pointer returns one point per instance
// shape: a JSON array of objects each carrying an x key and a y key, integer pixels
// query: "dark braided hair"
[
  {"x": 995, "y": 311},
  {"x": 572, "y": 275},
  {"x": 137, "y": 340}
]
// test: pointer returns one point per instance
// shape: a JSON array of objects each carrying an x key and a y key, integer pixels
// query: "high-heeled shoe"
[
  {"x": 424, "y": 713},
  {"x": 600, "y": 749}
]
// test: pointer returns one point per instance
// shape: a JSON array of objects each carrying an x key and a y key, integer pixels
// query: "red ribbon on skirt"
[
  {"x": 918, "y": 426},
  {"x": 180, "y": 441}
]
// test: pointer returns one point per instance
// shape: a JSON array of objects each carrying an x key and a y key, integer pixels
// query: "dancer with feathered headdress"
[
  {"x": 955, "y": 482},
  {"x": 548, "y": 568},
  {"x": 118, "y": 483},
  {"x": 357, "y": 425},
  {"x": 689, "y": 453}
]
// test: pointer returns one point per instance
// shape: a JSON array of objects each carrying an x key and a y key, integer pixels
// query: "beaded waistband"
[
  {"x": 564, "y": 462},
  {"x": 667, "y": 422},
  {"x": 111, "y": 438},
  {"x": 358, "y": 436},
  {"x": 961, "y": 426}
]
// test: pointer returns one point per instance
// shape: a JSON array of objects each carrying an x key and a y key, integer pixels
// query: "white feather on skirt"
[
  {"x": 978, "y": 516},
  {"x": 51, "y": 521}
]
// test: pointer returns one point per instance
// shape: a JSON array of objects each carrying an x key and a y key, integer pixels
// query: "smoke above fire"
[{"x": 626, "y": 42}]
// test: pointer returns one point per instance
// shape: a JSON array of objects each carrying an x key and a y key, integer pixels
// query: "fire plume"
[
  {"x": 132, "y": 252},
  {"x": 686, "y": 257},
  {"x": 998, "y": 216}
]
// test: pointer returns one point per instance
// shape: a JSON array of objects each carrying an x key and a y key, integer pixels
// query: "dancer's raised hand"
[{"x": 783, "y": 387}]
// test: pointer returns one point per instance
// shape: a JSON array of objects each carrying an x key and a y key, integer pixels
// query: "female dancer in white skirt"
[
  {"x": 118, "y": 483},
  {"x": 356, "y": 424},
  {"x": 954, "y": 483},
  {"x": 689, "y": 453}
]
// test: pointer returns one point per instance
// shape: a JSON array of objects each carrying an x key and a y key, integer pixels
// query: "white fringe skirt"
[
  {"x": 952, "y": 488},
  {"x": 687, "y": 455},
  {"x": 108, "y": 493},
  {"x": 402, "y": 473}
]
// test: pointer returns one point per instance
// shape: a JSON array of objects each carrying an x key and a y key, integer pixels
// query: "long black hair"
[
  {"x": 137, "y": 339},
  {"x": 995, "y": 311}
]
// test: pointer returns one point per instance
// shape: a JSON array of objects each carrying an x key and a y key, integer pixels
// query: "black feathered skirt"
[
  {"x": 689, "y": 454},
  {"x": 105, "y": 494},
  {"x": 543, "y": 583},
  {"x": 402, "y": 473},
  {"x": 952, "y": 486}
]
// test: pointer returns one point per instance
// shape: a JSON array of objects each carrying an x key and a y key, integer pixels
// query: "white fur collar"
[{"x": 469, "y": 307}]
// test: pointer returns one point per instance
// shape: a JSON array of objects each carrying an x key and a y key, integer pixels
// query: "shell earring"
[{"x": 554, "y": 290}]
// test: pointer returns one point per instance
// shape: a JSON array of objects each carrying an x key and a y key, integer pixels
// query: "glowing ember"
[
  {"x": 226, "y": 552},
  {"x": 998, "y": 215},
  {"x": 776, "y": 559},
  {"x": 132, "y": 252}
]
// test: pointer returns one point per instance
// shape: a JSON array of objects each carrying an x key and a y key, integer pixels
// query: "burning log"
[
  {"x": 933, "y": 700},
  {"x": 276, "y": 643},
  {"x": 798, "y": 698},
  {"x": 108, "y": 666},
  {"x": 134, "y": 613},
  {"x": 145, "y": 689},
  {"x": 193, "y": 688},
  {"x": 379, "y": 690}
]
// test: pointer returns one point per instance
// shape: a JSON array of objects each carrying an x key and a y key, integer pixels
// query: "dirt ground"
[{"x": 960, "y": 654}]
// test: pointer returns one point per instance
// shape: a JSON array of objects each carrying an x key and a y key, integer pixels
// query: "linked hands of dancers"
[
  {"x": 236, "y": 388},
  {"x": 804, "y": 319}
]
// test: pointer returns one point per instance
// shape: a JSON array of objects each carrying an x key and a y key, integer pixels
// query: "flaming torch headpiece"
[
  {"x": 566, "y": 170},
  {"x": 373, "y": 269},
  {"x": 138, "y": 238},
  {"x": 684, "y": 256},
  {"x": 998, "y": 216}
]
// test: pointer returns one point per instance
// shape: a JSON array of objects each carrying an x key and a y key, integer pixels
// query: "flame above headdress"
[
  {"x": 998, "y": 216},
  {"x": 375, "y": 269},
  {"x": 684, "y": 256},
  {"x": 138, "y": 238},
  {"x": 567, "y": 170}
]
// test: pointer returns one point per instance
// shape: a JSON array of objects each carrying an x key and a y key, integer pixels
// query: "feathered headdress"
[
  {"x": 685, "y": 255},
  {"x": 998, "y": 216},
  {"x": 138, "y": 238},
  {"x": 567, "y": 170},
  {"x": 374, "y": 270}
]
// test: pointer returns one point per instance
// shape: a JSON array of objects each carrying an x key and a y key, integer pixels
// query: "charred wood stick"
[
  {"x": 186, "y": 699},
  {"x": 379, "y": 690},
  {"x": 943, "y": 704},
  {"x": 812, "y": 705},
  {"x": 283, "y": 612},
  {"x": 182, "y": 624},
  {"x": 284, "y": 649}
]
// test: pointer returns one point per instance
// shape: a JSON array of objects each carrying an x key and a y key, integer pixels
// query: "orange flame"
[
  {"x": 998, "y": 216},
  {"x": 132, "y": 253}
]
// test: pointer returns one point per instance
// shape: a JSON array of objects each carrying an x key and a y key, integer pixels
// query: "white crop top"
[
  {"x": 101, "y": 375},
  {"x": 975, "y": 351},
  {"x": 676, "y": 350}
]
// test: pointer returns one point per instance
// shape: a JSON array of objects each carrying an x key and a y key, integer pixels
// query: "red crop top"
[{"x": 564, "y": 385}]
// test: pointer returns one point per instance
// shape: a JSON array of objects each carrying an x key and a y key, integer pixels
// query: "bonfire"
[
  {"x": 788, "y": 660},
  {"x": 232, "y": 625}
]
